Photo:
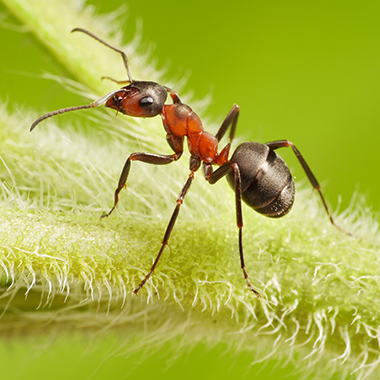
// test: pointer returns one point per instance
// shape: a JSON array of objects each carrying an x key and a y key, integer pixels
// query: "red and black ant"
[{"x": 258, "y": 175}]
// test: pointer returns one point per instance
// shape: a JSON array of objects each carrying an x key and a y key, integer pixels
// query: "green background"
[{"x": 306, "y": 71}]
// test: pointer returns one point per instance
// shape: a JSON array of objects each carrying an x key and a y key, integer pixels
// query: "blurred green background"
[{"x": 300, "y": 70}]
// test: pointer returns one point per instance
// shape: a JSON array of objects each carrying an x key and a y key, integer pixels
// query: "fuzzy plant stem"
[{"x": 61, "y": 267}]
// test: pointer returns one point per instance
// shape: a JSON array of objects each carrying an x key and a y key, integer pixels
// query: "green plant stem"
[{"x": 61, "y": 265}]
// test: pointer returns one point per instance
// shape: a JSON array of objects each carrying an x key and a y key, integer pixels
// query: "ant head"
[{"x": 139, "y": 99}]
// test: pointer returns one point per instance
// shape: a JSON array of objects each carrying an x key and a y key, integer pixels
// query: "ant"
[{"x": 257, "y": 174}]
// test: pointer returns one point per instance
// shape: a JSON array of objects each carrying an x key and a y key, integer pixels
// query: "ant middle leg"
[
  {"x": 230, "y": 120},
  {"x": 194, "y": 165}
]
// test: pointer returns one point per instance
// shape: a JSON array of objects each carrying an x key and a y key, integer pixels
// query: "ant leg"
[
  {"x": 230, "y": 120},
  {"x": 175, "y": 143},
  {"x": 239, "y": 221},
  {"x": 169, "y": 228},
  {"x": 149, "y": 158},
  {"x": 285, "y": 144},
  {"x": 216, "y": 176}
]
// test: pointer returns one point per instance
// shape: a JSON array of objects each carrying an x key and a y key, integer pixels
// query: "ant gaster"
[{"x": 257, "y": 174}]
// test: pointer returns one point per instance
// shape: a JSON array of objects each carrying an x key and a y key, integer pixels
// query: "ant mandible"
[{"x": 258, "y": 175}]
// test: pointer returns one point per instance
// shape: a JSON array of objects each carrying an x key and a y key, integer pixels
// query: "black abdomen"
[{"x": 267, "y": 185}]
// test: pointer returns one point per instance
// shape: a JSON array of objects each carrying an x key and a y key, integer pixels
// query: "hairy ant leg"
[{"x": 286, "y": 144}]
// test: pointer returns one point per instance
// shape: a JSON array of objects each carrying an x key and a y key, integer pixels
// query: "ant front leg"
[
  {"x": 285, "y": 144},
  {"x": 149, "y": 158},
  {"x": 216, "y": 176},
  {"x": 194, "y": 165}
]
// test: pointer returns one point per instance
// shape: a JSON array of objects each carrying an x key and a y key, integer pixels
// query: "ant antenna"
[
  {"x": 94, "y": 104},
  {"x": 123, "y": 55}
]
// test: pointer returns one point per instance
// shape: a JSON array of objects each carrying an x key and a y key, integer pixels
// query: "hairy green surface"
[{"x": 61, "y": 268}]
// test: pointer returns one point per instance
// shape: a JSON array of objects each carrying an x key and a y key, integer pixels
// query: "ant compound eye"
[{"x": 146, "y": 101}]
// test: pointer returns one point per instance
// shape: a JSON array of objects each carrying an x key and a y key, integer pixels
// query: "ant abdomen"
[{"x": 266, "y": 183}]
